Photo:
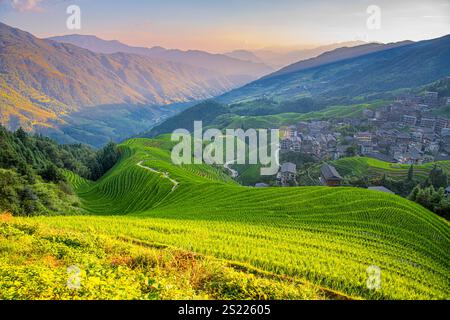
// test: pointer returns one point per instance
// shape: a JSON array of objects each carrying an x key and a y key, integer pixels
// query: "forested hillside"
[{"x": 34, "y": 171}]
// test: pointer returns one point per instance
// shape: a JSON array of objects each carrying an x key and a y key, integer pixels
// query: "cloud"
[{"x": 26, "y": 5}]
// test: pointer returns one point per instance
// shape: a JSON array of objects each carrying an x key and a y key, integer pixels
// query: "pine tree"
[
  {"x": 411, "y": 173},
  {"x": 437, "y": 178}
]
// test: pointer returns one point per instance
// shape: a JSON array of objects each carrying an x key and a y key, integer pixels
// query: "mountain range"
[
  {"x": 342, "y": 77},
  {"x": 74, "y": 94},
  {"x": 281, "y": 57},
  {"x": 349, "y": 73},
  {"x": 238, "y": 71},
  {"x": 45, "y": 83}
]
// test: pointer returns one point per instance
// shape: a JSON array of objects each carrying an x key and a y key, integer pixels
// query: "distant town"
[{"x": 407, "y": 131}]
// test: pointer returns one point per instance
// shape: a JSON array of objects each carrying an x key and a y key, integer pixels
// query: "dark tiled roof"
[
  {"x": 289, "y": 167},
  {"x": 261, "y": 185},
  {"x": 330, "y": 172},
  {"x": 381, "y": 189}
]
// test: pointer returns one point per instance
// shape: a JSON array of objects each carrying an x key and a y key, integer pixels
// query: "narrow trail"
[{"x": 165, "y": 175}]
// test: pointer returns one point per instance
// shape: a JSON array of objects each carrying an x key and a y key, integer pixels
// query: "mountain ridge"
[
  {"x": 240, "y": 71},
  {"x": 336, "y": 55},
  {"x": 44, "y": 82},
  {"x": 394, "y": 67}
]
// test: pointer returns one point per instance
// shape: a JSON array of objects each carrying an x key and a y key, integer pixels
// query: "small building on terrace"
[
  {"x": 288, "y": 174},
  {"x": 330, "y": 176}
]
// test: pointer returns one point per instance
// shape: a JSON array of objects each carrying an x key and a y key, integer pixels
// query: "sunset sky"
[{"x": 219, "y": 26}]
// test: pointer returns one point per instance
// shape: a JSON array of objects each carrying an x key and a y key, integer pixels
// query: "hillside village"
[{"x": 406, "y": 131}]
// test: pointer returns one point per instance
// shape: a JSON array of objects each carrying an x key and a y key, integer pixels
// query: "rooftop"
[
  {"x": 261, "y": 185},
  {"x": 330, "y": 172},
  {"x": 381, "y": 189},
  {"x": 289, "y": 167}
]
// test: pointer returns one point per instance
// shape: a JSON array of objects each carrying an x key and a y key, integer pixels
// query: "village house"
[
  {"x": 447, "y": 191},
  {"x": 341, "y": 151},
  {"x": 308, "y": 145},
  {"x": 367, "y": 149},
  {"x": 431, "y": 98},
  {"x": 428, "y": 123},
  {"x": 409, "y": 120},
  {"x": 330, "y": 176},
  {"x": 403, "y": 138},
  {"x": 364, "y": 138},
  {"x": 367, "y": 113},
  {"x": 417, "y": 136},
  {"x": 293, "y": 144},
  {"x": 291, "y": 132},
  {"x": 302, "y": 126},
  {"x": 288, "y": 174},
  {"x": 296, "y": 144},
  {"x": 432, "y": 148},
  {"x": 441, "y": 123},
  {"x": 285, "y": 144}
]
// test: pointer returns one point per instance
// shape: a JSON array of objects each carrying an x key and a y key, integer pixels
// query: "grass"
[
  {"x": 274, "y": 243},
  {"x": 284, "y": 119},
  {"x": 363, "y": 166},
  {"x": 37, "y": 256}
]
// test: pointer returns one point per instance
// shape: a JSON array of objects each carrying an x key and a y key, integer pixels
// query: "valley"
[{"x": 58, "y": 88}]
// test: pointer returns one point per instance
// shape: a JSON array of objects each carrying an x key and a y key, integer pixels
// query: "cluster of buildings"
[
  {"x": 314, "y": 138},
  {"x": 406, "y": 131},
  {"x": 287, "y": 176}
]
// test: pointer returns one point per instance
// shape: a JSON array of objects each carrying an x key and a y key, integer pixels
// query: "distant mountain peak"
[
  {"x": 336, "y": 55},
  {"x": 365, "y": 70}
]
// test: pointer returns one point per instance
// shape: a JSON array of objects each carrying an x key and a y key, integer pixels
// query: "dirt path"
[{"x": 165, "y": 175}]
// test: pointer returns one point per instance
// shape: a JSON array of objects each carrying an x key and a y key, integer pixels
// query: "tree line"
[{"x": 31, "y": 163}]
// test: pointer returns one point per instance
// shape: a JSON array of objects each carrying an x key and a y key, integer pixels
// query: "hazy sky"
[{"x": 221, "y": 25}]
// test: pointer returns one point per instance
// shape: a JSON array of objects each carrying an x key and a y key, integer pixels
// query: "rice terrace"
[
  {"x": 211, "y": 238},
  {"x": 219, "y": 159}
]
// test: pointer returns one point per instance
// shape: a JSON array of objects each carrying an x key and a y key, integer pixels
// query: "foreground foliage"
[{"x": 41, "y": 262}]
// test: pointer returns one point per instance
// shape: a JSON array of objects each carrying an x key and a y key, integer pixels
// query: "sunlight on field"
[{"x": 272, "y": 243}]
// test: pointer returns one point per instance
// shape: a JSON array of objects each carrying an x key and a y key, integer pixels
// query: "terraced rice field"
[
  {"x": 322, "y": 238},
  {"x": 372, "y": 168},
  {"x": 361, "y": 166}
]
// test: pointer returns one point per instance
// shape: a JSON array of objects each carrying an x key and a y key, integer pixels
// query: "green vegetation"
[
  {"x": 36, "y": 257},
  {"x": 34, "y": 171},
  {"x": 261, "y": 113},
  {"x": 284, "y": 119},
  {"x": 373, "y": 168},
  {"x": 312, "y": 242},
  {"x": 21, "y": 197},
  {"x": 442, "y": 87},
  {"x": 432, "y": 198},
  {"x": 429, "y": 179}
]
